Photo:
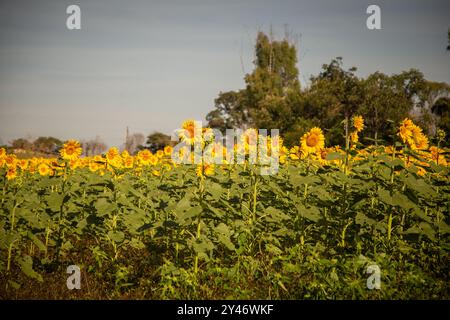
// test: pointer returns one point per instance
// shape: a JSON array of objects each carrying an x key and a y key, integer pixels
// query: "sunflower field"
[{"x": 143, "y": 227}]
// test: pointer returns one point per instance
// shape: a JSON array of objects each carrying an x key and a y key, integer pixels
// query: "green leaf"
[
  {"x": 275, "y": 215},
  {"x": 362, "y": 219},
  {"x": 312, "y": 213},
  {"x": 54, "y": 201},
  {"x": 137, "y": 244},
  {"x": 116, "y": 236},
  {"x": 184, "y": 217},
  {"x": 223, "y": 235},
  {"x": 105, "y": 207},
  {"x": 297, "y": 181},
  {"x": 26, "y": 265},
  {"x": 36, "y": 241}
]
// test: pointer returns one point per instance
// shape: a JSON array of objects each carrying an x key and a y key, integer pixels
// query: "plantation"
[{"x": 145, "y": 227}]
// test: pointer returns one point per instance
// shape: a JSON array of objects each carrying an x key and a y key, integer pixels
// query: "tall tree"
[
  {"x": 157, "y": 141},
  {"x": 384, "y": 98},
  {"x": 264, "y": 101},
  {"x": 334, "y": 96}
]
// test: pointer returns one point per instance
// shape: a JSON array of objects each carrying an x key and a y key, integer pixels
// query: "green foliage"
[{"x": 308, "y": 232}]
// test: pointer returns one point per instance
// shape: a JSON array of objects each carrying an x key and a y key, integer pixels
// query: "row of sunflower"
[{"x": 311, "y": 146}]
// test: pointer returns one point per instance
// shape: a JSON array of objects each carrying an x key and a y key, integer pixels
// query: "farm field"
[{"x": 143, "y": 227}]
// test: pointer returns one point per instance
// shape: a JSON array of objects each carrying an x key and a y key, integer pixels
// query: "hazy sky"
[{"x": 150, "y": 64}]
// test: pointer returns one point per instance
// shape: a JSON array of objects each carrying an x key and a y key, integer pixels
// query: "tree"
[
  {"x": 157, "y": 141},
  {"x": 264, "y": 103},
  {"x": 21, "y": 143},
  {"x": 384, "y": 99},
  {"x": 48, "y": 145},
  {"x": 93, "y": 147},
  {"x": 334, "y": 96},
  {"x": 441, "y": 109}
]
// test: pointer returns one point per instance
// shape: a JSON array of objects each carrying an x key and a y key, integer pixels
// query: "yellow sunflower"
[
  {"x": 358, "y": 123},
  {"x": 154, "y": 160},
  {"x": 168, "y": 150},
  {"x": 44, "y": 169},
  {"x": 144, "y": 156},
  {"x": 418, "y": 140},
  {"x": 188, "y": 130},
  {"x": 23, "y": 164},
  {"x": 405, "y": 130},
  {"x": 205, "y": 170},
  {"x": 313, "y": 141},
  {"x": 11, "y": 173},
  {"x": 354, "y": 138},
  {"x": 71, "y": 150},
  {"x": 128, "y": 162}
]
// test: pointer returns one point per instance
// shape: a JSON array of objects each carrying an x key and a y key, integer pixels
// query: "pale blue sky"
[{"x": 151, "y": 64}]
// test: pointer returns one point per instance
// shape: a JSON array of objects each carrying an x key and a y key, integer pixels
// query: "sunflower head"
[
  {"x": 23, "y": 164},
  {"x": 144, "y": 156},
  {"x": 11, "y": 173},
  {"x": 188, "y": 131},
  {"x": 405, "y": 130},
  {"x": 205, "y": 169},
  {"x": 412, "y": 135},
  {"x": 44, "y": 169},
  {"x": 313, "y": 141},
  {"x": 354, "y": 137},
  {"x": 154, "y": 160},
  {"x": 168, "y": 150},
  {"x": 71, "y": 150},
  {"x": 358, "y": 123}
]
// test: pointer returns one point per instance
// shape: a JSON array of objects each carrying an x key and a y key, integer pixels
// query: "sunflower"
[
  {"x": 418, "y": 140},
  {"x": 112, "y": 154},
  {"x": 2, "y": 152},
  {"x": 23, "y": 164},
  {"x": 44, "y": 169},
  {"x": 296, "y": 153},
  {"x": 128, "y": 162},
  {"x": 436, "y": 156},
  {"x": 168, "y": 150},
  {"x": 313, "y": 141},
  {"x": 144, "y": 156},
  {"x": 154, "y": 160},
  {"x": 160, "y": 154},
  {"x": 354, "y": 137},
  {"x": 205, "y": 170},
  {"x": 11, "y": 173},
  {"x": 405, "y": 130},
  {"x": 188, "y": 130},
  {"x": 358, "y": 123},
  {"x": 75, "y": 163},
  {"x": 11, "y": 161},
  {"x": 71, "y": 150}
]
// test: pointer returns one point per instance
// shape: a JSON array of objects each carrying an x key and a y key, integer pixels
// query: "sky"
[{"x": 149, "y": 65}]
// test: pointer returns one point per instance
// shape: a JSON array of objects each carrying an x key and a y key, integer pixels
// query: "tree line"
[{"x": 273, "y": 98}]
